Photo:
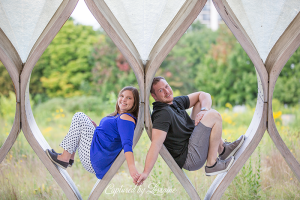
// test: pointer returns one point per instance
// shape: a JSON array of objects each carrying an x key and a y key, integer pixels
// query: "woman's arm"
[
  {"x": 131, "y": 166},
  {"x": 126, "y": 126},
  {"x": 93, "y": 122}
]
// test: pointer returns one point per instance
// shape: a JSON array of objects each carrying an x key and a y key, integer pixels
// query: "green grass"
[{"x": 264, "y": 176}]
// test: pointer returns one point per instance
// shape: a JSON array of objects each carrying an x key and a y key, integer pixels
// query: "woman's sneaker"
[
  {"x": 53, "y": 158},
  {"x": 220, "y": 167},
  {"x": 232, "y": 147}
]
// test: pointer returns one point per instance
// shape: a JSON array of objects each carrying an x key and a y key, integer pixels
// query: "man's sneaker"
[
  {"x": 220, "y": 167},
  {"x": 70, "y": 161},
  {"x": 54, "y": 159},
  {"x": 232, "y": 147}
]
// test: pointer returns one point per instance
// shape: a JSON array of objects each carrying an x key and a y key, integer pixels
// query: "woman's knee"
[{"x": 79, "y": 115}]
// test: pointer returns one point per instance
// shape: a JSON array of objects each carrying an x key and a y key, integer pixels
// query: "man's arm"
[
  {"x": 158, "y": 138},
  {"x": 202, "y": 97},
  {"x": 199, "y": 100}
]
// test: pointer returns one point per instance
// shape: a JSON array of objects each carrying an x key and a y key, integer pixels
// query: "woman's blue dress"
[{"x": 111, "y": 136}]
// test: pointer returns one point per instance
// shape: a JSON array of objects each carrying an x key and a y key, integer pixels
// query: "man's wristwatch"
[{"x": 204, "y": 109}]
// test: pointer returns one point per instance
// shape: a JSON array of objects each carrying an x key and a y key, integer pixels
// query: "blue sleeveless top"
[{"x": 111, "y": 136}]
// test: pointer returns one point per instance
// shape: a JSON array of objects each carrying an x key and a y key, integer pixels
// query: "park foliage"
[{"x": 82, "y": 61}]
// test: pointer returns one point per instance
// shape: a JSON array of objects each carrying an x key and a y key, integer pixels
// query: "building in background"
[{"x": 210, "y": 16}]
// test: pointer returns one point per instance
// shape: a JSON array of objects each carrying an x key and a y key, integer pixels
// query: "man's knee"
[{"x": 213, "y": 115}]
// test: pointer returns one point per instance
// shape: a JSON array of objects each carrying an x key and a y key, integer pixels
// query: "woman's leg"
[
  {"x": 65, "y": 156},
  {"x": 85, "y": 144},
  {"x": 73, "y": 156},
  {"x": 79, "y": 137}
]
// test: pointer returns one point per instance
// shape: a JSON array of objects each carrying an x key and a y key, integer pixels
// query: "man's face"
[{"x": 163, "y": 92}]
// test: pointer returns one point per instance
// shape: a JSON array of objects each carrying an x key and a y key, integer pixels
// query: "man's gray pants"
[{"x": 197, "y": 148}]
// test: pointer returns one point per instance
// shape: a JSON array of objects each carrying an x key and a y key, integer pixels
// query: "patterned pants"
[{"x": 80, "y": 137}]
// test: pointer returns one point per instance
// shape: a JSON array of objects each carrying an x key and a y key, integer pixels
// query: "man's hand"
[
  {"x": 199, "y": 116},
  {"x": 158, "y": 138},
  {"x": 92, "y": 122},
  {"x": 142, "y": 178}
]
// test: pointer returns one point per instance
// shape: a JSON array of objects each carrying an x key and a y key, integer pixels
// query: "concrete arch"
[
  {"x": 144, "y": 73},
  {"x": 13, "y": 64},
  {"x": 29, "y": 126},
  {"x": 267, "y": 74}
]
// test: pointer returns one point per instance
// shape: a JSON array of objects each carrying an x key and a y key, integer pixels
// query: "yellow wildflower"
[
  {"x": 277, "y": 123},
  {"x": 48, "y": 129},
  {"x": 57, "y": 117},
  {"x": 225, "y": 132},
  {"x": 277, "y": 114},
  {"x": 228, "y": 105}
]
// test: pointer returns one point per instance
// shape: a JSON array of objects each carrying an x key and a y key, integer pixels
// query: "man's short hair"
[{"x": 155, "y": 80}]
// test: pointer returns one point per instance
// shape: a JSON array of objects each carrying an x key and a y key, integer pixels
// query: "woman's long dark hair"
[{"x": 135, "y": 108}]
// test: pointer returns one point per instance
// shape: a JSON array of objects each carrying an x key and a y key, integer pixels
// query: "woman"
[{"x": 99, "y": 146}]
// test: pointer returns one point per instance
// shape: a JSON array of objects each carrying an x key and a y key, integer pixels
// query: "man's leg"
[
  {"x": 216, "y": 125},
  {"x": 204, "y": 145},
  {"x": 213, "y": 119},
  {"x": 196, "y": 109}
]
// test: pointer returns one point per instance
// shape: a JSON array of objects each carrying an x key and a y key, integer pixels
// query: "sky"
[{"x": 82, "y": 15}]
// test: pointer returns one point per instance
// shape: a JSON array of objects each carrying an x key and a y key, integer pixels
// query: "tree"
[
  {"x": 227, "y": 72},
  {"x": 65, "y": 68},
  {"x": 287, "y": 88},
  {"x": 179, "y": 67},
  {"x": 6, "y": 84},
  {"x": 111, "y": 72}
]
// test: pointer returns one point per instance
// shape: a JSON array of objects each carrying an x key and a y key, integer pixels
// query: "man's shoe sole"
[
  {"x": 236, "y": 149},
  {"x": 219, "y": 172},
  {"x": 54, "y": 161}
]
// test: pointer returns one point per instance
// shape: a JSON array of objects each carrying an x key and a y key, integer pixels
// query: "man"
[{"x": 191, "y": 140}]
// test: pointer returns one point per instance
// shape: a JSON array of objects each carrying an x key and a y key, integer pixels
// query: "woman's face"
[{"x": 125, "y": 101}]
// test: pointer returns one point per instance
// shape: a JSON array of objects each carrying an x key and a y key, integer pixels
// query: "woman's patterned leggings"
[{"x": 80, "y": 137}]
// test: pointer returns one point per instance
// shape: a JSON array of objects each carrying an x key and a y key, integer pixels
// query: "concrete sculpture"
[
  {"x": 145, "y": 32},
  {"x": 27, "y": 28}
]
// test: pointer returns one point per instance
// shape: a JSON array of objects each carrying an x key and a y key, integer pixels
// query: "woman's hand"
[
  {"x": 134, "y": 174},
  {"x": 92, "y": 122}
]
